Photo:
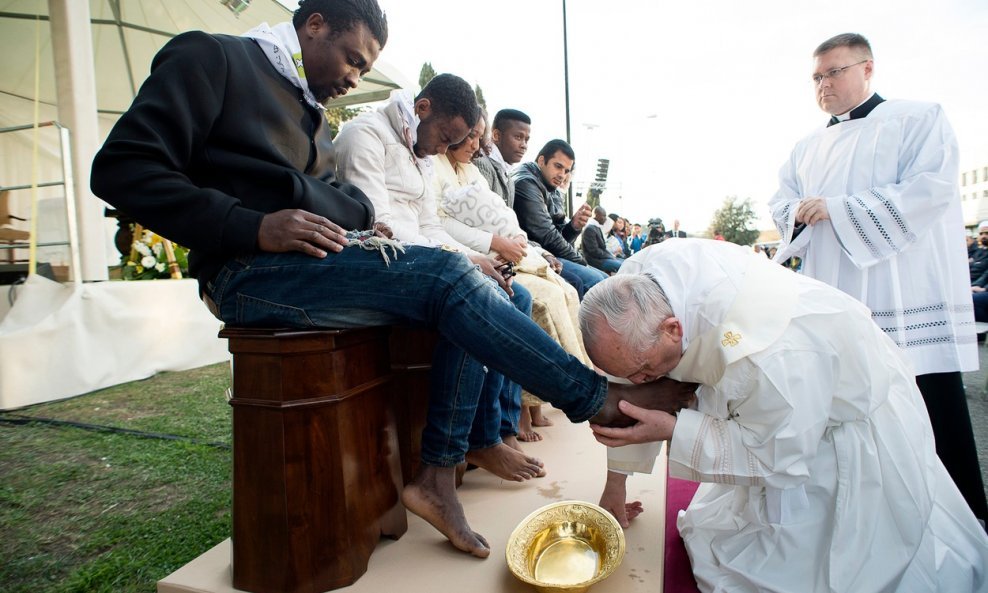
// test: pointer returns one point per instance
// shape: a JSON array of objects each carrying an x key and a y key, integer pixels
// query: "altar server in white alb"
[
  {"x": 870, "y": 203},
  {"x": 809, "y": 435}
]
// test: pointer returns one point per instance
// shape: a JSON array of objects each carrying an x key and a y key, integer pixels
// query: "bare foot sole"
[
  {"x": 506, "y": 463},
  {"x": 431, "y": 496}
]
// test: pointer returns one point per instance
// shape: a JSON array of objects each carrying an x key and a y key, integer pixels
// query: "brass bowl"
[{"x": 565, "y": 546}]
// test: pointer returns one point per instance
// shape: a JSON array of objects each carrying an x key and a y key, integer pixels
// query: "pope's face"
[
  {"x": 846, "y": 88},
  {"x": 612, "y": 355}
]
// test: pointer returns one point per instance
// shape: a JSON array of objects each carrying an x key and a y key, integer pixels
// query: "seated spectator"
[
  {"x": 374, "y": 152},
  {"x": 636, "y": 241},
  {"x": 509, "y": 143},
  {"x": 539, "y": 205},
  {"x": 617, "y": 238},
  {"x": 594, "y": 245},
  {"x": 476, "y": 216},
  {"x": 505, "y": 147},
  {"x": 978, "y": 264}
]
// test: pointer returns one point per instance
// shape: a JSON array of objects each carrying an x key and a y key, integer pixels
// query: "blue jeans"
[
  {"x": 980, "y": 305},
  {"x": 510, "y": 397},
  {"x": 589, "y": 276},
  {"x": 574, "y": 280},
  {"x": 610, "y": 266},
  {"x": 431, "y": 287},
  {"x": 500, "y": 399}
]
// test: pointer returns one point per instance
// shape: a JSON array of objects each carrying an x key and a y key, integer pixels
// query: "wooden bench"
[{"x": 326, "y": 431}]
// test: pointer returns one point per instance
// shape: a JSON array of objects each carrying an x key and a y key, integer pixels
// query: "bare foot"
[
  {"x": 431, "y": 495},
  {"x": 537, "y": 418},
  {"x": 525, "y": 432},
  {"x": 512, "y": 441},
  {"x": 663, "y": 394},
  {"x": 506, "y": 463}
]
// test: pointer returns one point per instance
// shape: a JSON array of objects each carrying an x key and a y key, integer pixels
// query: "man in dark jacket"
[
  {"x": 226, "y": 150},
  {"x": 594, "y": 245},
  {"x": 539, "y": 206}
]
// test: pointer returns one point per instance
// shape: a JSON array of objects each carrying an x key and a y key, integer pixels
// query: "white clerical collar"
[{"x": 847, "y": 116}]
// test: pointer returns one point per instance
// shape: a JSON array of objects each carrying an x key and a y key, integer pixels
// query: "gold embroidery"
[{"x": 731, "y": 339}]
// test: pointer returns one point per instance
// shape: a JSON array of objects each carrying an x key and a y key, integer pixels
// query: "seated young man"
[
  {"x": 387, "y": 154},
  {"x": 539, "y": 205},
  {"x": 594, "y": 244}
]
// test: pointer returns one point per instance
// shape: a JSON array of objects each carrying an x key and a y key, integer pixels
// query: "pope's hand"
[
  {"x": 652, "y": 425},
  {"x": 298, "y": 230}
]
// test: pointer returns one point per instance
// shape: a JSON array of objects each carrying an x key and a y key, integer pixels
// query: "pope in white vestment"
[{"x": 809, "y": 435}]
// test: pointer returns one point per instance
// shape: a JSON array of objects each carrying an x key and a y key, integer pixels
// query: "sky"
[{"x": 691, "y": 102}]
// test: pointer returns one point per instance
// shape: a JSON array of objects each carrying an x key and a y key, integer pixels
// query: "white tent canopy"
[{"x": 91, "y": 57}]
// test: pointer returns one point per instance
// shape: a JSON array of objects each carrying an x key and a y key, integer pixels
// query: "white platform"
[
  {"x": 423, "y": 561},
  {"x": 61, "y": 340}
]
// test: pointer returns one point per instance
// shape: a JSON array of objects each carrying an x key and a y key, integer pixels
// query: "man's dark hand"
[
  {"x": 489, "y": 266},
  {"x": 663, "y": 394},
  {"x": 298, "y": 230},
  {"x": 555, "y": 264}
]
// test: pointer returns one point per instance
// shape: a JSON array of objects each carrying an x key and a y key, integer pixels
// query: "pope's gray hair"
[{"x": 632, "y": 305}]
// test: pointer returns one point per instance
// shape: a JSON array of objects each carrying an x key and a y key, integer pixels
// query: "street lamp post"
[{"x": 569, "y": 194}]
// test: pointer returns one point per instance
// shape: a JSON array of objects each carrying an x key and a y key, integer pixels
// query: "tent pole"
[{"x": 75, "y": 84}]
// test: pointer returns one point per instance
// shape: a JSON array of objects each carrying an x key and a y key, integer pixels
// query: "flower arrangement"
[{"x": 148, "y": 259}]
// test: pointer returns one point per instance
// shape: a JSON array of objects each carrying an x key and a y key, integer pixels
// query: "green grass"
[{"x": 84, "y": 510}]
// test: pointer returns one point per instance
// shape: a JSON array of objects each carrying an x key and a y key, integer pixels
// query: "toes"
[{"x": 483, "y": 540}]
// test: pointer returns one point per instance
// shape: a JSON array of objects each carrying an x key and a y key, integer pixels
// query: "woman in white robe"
[{"x": 809, "y": 436}]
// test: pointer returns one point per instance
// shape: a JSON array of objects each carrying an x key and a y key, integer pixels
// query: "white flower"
[
  {"x": 159, "y": 266},
  {"x": 148, "y": 261},
  {"x": 156, "y": 248},
  {"x": 142, "y": 248}
]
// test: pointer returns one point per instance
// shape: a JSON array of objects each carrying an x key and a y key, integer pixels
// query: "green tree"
[
  {"x": 480, "y": 97},
  {"x": 733, "y": 220},
  {"x": 335, "y": 116},
  {"x": 426, "y": 74}
]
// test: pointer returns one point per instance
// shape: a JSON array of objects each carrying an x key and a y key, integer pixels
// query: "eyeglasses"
[{"x": 834, "y": 73}]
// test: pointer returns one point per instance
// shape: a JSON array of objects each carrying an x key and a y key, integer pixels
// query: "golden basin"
[{"x": 565, "y": 546}]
